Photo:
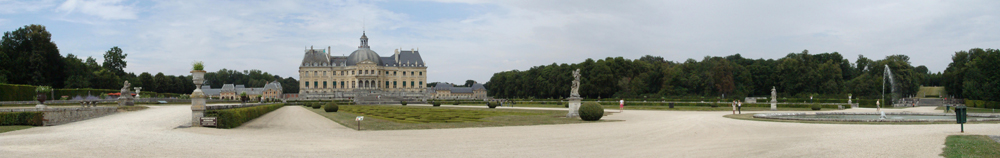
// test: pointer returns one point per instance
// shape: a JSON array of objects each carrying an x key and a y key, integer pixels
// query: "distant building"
[
  {"x": 363, "y": 75},
  {"x": 271, "y": 90},
  {"x": 447, "y": 91}
]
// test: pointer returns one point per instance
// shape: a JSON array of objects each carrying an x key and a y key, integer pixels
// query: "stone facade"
[
  {"x": 362, "y": 74},
  {"x": 271, "y": 90},
  {"x": 447, "y": 91}
]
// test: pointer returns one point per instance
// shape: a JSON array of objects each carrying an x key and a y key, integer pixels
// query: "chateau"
[{"x": 364, "y": 75}]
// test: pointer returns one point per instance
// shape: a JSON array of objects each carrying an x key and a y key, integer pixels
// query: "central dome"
[{"x": 363, "y": 54}]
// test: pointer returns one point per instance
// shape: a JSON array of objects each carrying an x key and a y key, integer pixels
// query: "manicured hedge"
[
  {"x": 21, "y": 118},
  {"x": 982, "y": 104},
  {"x": 15, "y": 92},
  {"x": 591, "y": 111},
  {"x": 232, "y": 118}
]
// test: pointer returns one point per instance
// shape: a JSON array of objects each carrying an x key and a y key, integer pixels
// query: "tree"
[
  {"x": 469, "y": 83},
  {"x": 160, "y": 83},
  {"x": 78, "y": 72},
  {"x": 31, "y": 57},
  {"x": 114, "y": 61}
]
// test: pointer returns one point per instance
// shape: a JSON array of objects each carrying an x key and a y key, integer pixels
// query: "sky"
[{"x": 473, "y": 39}]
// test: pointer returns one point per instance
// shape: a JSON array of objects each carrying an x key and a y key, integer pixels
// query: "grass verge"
[
  {"x": 971, "y": 110},
  {"x": 13, "y": 128},
  {"x": 132, "y": 108},
  {"x": 749, "y": 116},
  {"x": 970, "y": 146},
  {"x": 385, "y": 117},
  {"x": 676, "y": 108}
]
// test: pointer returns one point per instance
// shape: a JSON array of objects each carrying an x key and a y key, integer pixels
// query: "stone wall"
[{"x": 58, "y": 116}]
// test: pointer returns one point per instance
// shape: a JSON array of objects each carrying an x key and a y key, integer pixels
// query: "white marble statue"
[{"x": 576, "y": 84}]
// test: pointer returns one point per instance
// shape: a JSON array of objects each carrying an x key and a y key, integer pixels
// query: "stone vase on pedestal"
[
  {"x": 197, "y": 98},
  {"x": 574, "y": 107},
  {"x": 41, "y": 101}
]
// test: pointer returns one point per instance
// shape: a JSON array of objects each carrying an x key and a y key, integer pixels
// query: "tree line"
[
  {"x": 797, "y": 74},
  {"x": 28, "y": 56},
  {"x": 973, "y": 75}
]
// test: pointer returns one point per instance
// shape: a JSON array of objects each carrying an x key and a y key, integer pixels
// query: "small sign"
[
  {"x": 208, "y": 122},
  {"x": 359, "y": 118}
]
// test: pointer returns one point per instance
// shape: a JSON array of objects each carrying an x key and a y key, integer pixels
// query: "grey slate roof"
[
  {"x": 209, "y": 91},
  {"x": 314, "y": 57},
  {"x": 408, "y": 58},
  {"x": 363, "y": 54}
]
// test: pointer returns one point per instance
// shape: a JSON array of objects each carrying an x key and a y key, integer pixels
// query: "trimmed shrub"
[
  {"x": 816, "y": 107},
  {"x": 331, "y": 107},
  {"x": 591, "y": 111},
  {"x": 492, "y": 105},
  {"x": 317, "y": 105},
  {"x": 33, "y": 118},
  {"x": 456, "y": 103},
  {"x": 403, "y": 103},
  {"x": 566, "y": 105},
  {"x": 436, "y": 104},
  {"x": 232, "y": 118}
]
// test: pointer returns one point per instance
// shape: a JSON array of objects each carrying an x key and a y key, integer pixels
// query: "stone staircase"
[{"x": 931, "y": 102}]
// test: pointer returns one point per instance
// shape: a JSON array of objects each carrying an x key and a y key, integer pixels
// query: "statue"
[
  {"x": 576, "y": 84},
  {"x": 774, "y": 94},
  {"x": 125, "y": 89},
  {"x": 125, "y": 98}
]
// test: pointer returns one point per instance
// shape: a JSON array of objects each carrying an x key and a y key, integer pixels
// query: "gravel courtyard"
[{"x": 296, "y": 132}]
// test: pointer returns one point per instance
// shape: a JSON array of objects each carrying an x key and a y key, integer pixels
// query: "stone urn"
[
  {"x": 41, "y": 98},
  {"x": 198, "y": 76}
]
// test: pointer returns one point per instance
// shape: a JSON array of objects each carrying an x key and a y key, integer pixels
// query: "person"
[
  {"x": 878, "y": 106},
  {"x": 621, "y": 105},
  {"x": 733, "y": 104},
  {"x": 739, "y": 106}
]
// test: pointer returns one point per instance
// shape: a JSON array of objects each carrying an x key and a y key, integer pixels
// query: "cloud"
[{"x": 104, "y": 9}]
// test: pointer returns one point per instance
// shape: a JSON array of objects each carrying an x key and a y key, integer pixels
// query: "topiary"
[
  {"x": 490, "y": 104},
  {"x": 317, "y": 105},
  {"x": 591, "y": 111},
  {"x": 816, "y": 107},
  {"x": 331, "y": 107},
  {"x": 403, "y": 103},
  {"x": 456, "y": 103},
  {"x": 566, "y": 105},
  {"x": 436, "y": 104}
]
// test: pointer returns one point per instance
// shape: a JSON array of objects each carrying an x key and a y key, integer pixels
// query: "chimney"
[{"x": 397, "y": 56}]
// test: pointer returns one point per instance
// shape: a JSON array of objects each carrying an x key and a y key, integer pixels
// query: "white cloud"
[{"x": 104, "y": 9}]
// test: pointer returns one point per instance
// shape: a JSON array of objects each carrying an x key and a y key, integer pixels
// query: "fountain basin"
[{"x": 874, "y": 117}]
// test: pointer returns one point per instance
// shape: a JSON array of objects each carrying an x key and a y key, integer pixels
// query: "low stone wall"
[
  {"x": 58, "y": 116},
  {"x": 230, "y": 106},
  {"x": 776, "y": 116}
]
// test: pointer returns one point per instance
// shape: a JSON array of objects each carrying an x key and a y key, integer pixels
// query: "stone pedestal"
[
  {"x": 40, "y": 106},
  {"x": 574, "y": 107},
  {"x": 197, "y": 107},
  {"x": 774, "y": 105}
]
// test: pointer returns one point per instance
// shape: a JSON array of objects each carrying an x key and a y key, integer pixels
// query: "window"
[
  {"x": 421, "y": 84},
  {"x": 412, "y": 85},
  {"x": 324, "y": 84},
  {"x": 404, "y": 84},
  {"x": 307, "y": 84},
  {"x": 411, "y": 73},
  {"x": 393, "y": 84},
  {"x": 316, "y": 84},
  {"x": 324, "y": 73},
  {"x": 394, "y": 73},
  {"x": 404, "y": 73},
  {"x": 421, "y": 73},
  {"x": 386, "y": 83},
  {"x": 315, "y": 73}
]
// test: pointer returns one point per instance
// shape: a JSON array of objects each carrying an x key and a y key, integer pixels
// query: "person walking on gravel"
[
  {"x": 739, "y": 107},
  {"x": 733, "y": 104},
  {"x": 621, "y": 105}
]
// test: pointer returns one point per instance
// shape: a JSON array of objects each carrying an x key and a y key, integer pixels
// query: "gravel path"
[{"x": 297, "y": 132}]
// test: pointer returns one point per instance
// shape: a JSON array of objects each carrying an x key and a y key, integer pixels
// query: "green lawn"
[
  {"x": 749, "y": 116},
  {"x": 931, "y": 92},
  {"x": 676, "y": 108},
  {"x": 971, "y": 110},
  {"x": 389, "y": 117},
  {"x": 970, "y": 146},
  {"x": 13, "y": 128}
]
